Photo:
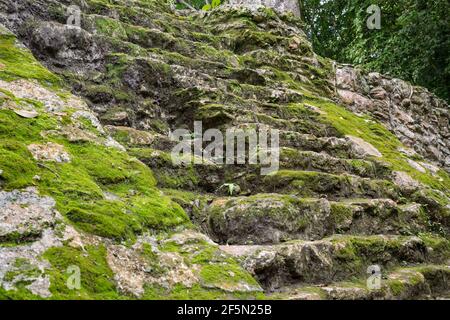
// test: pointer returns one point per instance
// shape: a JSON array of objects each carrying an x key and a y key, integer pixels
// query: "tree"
[{"x": 413, "y": 42}]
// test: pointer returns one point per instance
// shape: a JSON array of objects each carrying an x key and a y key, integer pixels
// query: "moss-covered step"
[
  {"x": 337, "y": 258},
  {"x": 162, "y": 266},
  {"x": 275, "y": 218},
  {"x": 205, "y": 177},
  {"x": 76, "y": 197},
  {"x": 310, "y": 160},
  {"x": 133, "y": 138},
  {"x": 405, "y": 283},
  {"x": 320, "y": 184},
  {"x": 336, "y": 147}
]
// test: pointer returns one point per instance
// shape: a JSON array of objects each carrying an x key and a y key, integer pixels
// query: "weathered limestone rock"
[
  {"x": 416, "y": 166},
  {"x": 49, "y": 152},
  {"x": 160, "y": 71},
  {"x": 267, "y": 219},
  {"x": 30, "y": 222},
  {"x": 284, "y": 6},
  {"x": 404, "y": 181},
  {"x": 417, "y": 117},
  {"x": 24, "y": 214},
  {"x": 325, "y": 260},
  {"x": 147, "y": 262},
  {"x": 363, "y": 148}
]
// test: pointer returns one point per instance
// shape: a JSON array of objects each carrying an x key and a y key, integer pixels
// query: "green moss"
[
  {"x": 168, "y": 175},
  {"x": 96, "y": 277},
  {"x": 16, "y": 161},
  {"x": 121, "y": 136},
  {"x": 312, "y": 183},
  {"x": 341, "y": 213},
  {"x": 397, "y": 287},
  {"x": 224, "y": 275},
  {"x": 17, "y": 62},
  {"x": 111, "y": 167},
  {"x": 110, "y": 27},
  {"x": 349, "y": 262},
  {"x": 22, "y": 267},
  {"x": 355, "y": 253},
  {"x": 17, "y": 165},
  {"x": 196, "y": 292},
  {"x": 78, "y": 187},
  {"x": 440, "y": 246},
  {"x": 371, "y": 246},
  {"x": 152, "y": 261},
  {"x": 16, "y": 238},
  {"x": 288, "y": 213},
  {"x": 105, "y": 219},
  {"x": 158, "y": 212},
  {"x": 205, "y": 256},
  {"x": 19, "y": 294},
  {"x": 347, "y": 123}
]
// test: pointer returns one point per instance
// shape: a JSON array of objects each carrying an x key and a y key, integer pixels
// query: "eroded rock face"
[
  {"x": 25, "y": 215},
  {"x": 284, "y": 6},
  {"x": 267, "y": 219},
  {"x": 132, "y": 271},
  {"x": 26, "y": 89},
  {"x": 403, "y": 180},
  {"x": 417, "y": 117},
  {"x": 49, "y": 152},
  {"x": 149, "y": 263},
  {"x": 151, "y": 71},
  {"x": 327, "y": 260},
  {"x": 30, "y": 221},
  {"x": 363, "y": 148}
]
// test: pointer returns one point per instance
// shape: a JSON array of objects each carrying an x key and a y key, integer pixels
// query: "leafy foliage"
[
  {"x": 214, "y": 4},
  {"x": 198, "y": 4},
  {"x": 413, "y": 43},
  {"x": 231, "y": 188}
]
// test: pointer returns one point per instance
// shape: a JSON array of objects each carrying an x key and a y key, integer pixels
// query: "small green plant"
[
  {"x": 231, "y": 187},
  {"x": 214, "y": 4},
  {"x": 195, "y": 4}
]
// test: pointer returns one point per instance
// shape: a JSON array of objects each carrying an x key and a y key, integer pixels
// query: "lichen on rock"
[{"x": 87, "y": 178}]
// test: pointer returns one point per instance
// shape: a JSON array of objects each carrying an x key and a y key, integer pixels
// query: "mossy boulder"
[{"x": 267, "y": 218}]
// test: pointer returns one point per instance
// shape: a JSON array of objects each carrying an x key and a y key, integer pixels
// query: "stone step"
[
  {"x": 336, "y": 258},
  {"x": 150, "y": 15},
  {"x": 155, "y": 151},
  {"x": 321, "y": 184},
  {"x": 313, "y": 161},
  {"x": 209, "y": 177},
  {"x": 334, "y": 146},
  {"x": 416, "y": 282},
  {"x": 133, "y": 138},
  {"x": 275, "y": 218}
]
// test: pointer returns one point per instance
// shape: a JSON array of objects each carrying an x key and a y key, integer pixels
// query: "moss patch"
[
  {"x": 95, "y": 275},
  {"x": 347, "y": 123},
  {"x": 19, "y": 63}
]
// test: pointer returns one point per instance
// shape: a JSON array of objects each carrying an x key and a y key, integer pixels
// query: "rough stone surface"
[
  {"x": 49, "y": 152},
  {"x": 267, "y": 219},
  {"x": 309, "y": 231},
  {"x": 403, "y": 180},
  {"x": 416, "y": 116},
  {"x": 33, "y": 219},
  {"x": 284, "y": 6},
  {"x": 25, "y": 214},
  {"x": 363, "y": 148}
]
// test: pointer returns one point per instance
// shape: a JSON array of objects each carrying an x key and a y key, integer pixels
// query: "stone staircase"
[{"x": 308, "y": 231}]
